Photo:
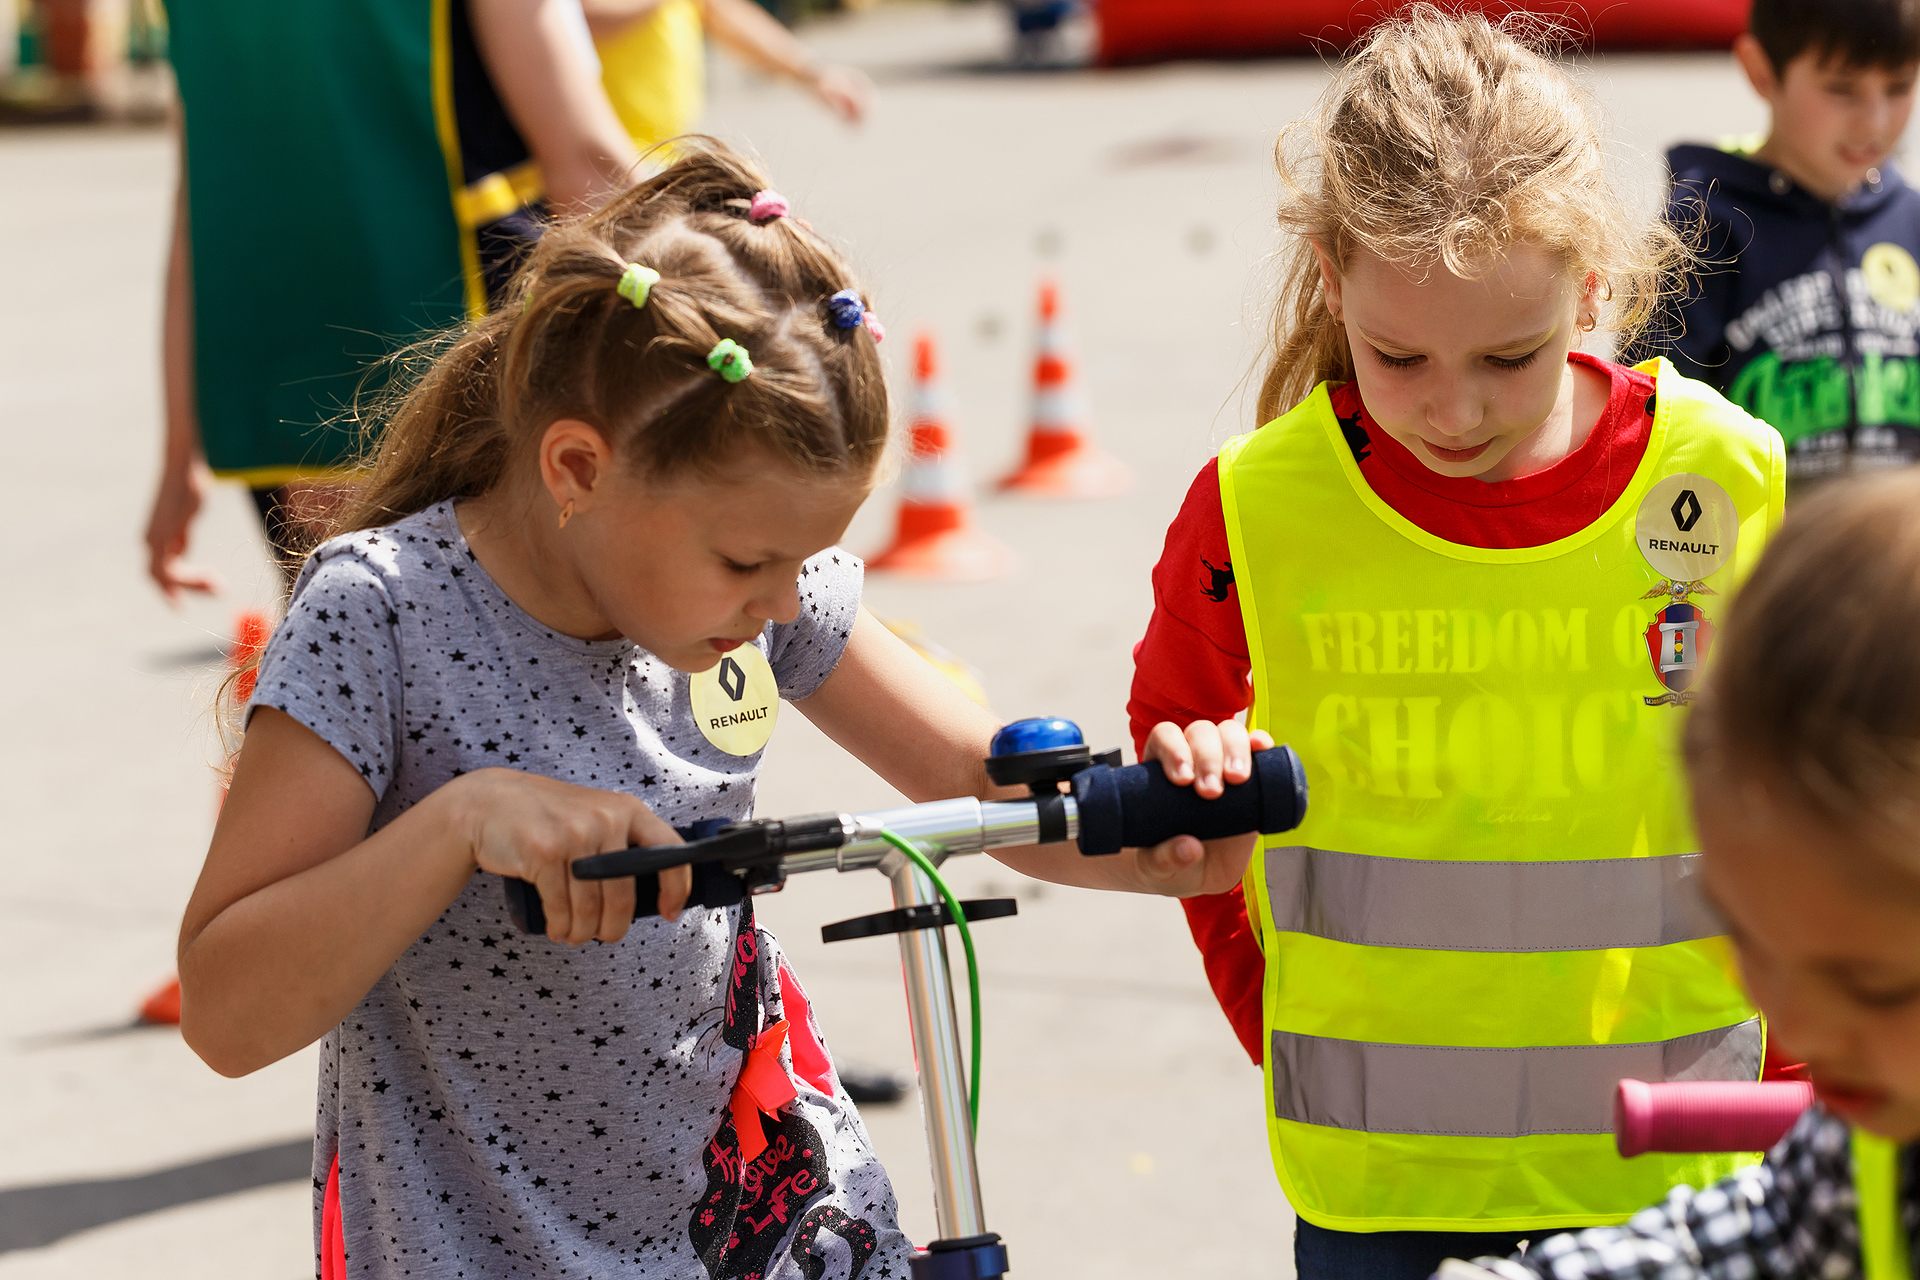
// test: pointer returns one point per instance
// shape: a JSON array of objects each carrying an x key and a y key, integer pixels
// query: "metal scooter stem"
[{"x": 936, "y": 1048}]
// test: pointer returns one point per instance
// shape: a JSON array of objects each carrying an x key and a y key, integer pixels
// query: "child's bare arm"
[
  {"x": 298, "y": 911},
  {"x": 910, "y": 725},
  {"x": 756, "y": 37},
  {"x": 183, "y": 468},
  {"x": 554, "y": 97}
]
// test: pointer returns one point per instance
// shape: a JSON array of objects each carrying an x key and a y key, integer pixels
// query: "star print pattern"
[{"x": 502, "y": 1106}]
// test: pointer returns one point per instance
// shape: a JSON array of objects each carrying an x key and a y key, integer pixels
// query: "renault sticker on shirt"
[
  {"x": 1687, "y": 528},
  {"x": 736, "y": 701}
]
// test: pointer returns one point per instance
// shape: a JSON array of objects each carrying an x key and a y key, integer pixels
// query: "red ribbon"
[{"x": 763, "y": 1088}]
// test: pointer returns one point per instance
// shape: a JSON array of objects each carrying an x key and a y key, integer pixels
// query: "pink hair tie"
[
  {"x": 766, "y": 206},
  {"x": 878, "y": 330}
]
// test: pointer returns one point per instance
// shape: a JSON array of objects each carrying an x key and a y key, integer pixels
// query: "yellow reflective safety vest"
[
  {"x": 655, "y": 72},
  {"x": 1876, "y": 1189},
  {"x": 1490, "y": 914}
]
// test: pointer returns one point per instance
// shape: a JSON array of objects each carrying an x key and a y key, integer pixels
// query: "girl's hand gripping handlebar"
[
  {"x": 1136, "y": 807},
  {"x": 1105, "y": 809}
]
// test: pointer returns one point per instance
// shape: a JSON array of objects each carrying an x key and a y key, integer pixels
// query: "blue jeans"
[{"x": 1320, "y": 1254}]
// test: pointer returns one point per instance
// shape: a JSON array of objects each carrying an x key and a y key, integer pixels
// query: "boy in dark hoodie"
[{"x": 1816, "y": 214}]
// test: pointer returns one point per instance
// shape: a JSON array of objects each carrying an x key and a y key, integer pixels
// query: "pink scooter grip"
[{"x": 1718, "y": 1115}]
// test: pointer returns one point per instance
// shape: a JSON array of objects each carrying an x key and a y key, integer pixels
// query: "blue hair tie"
[{"x": 846, "y": 308}]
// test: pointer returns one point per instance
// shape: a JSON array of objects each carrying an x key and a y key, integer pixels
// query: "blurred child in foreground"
[
  {"x": 1804, "y": 756},
  {"x": 1815, "y": 214}
]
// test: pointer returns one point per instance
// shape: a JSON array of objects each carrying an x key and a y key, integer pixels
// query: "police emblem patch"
[{"x": 1677, "y": 642}]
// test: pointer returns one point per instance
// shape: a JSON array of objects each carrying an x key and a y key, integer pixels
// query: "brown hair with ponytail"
[
  {"x": 1441, "y": 142},
  {"x": 567, "y": 345}
]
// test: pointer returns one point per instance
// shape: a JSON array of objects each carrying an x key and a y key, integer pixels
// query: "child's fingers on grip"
[
  {"x": 1236, "y": 752},
  {"x": 1204, "y": 740},
  {"x": 616, "y": 909},
  {"x": 585, "y": 897},
  {"x": 1169, "y": 866},
  {"x": 556, "y": 897},
  {"x": 1169, "y": 746},
  {"x": 646, "y": 828},
  {"x": 676, "y": 886}
]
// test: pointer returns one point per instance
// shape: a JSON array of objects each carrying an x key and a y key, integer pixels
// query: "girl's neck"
[{"x": 519, "y": 549}]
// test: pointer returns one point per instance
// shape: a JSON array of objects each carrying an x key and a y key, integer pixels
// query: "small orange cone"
[
  {"x": 936, "y": 536},
  {"x": 162, "y": 1008},
  {"x": 249, "y": 638},
  {"x": 1062, "y": 459}
]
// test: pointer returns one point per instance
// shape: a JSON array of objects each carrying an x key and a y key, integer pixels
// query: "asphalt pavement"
[{"x": 1121, "y": 1133}]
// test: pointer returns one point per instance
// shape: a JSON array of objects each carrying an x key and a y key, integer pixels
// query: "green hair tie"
[
  {"x": 730, "y": 360},
  {"x": 635, "y": 282}
]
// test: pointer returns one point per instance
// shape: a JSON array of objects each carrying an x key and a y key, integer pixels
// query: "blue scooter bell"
[{"x": 1041, "y": 754}]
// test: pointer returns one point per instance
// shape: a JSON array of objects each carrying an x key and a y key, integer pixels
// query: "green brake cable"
[{"x": 920, "y": 860}]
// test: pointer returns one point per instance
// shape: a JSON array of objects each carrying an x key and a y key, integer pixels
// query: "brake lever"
[{"x": 742, "y": 844}]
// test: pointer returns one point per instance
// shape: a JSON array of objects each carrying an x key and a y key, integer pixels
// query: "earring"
[{"x": 566, "y": 513}]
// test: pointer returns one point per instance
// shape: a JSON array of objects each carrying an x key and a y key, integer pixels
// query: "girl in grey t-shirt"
[{"x": 594, "y": 552}]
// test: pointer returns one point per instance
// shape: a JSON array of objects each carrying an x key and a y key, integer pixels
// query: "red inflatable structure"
[{"x": 1156, "y": 30}]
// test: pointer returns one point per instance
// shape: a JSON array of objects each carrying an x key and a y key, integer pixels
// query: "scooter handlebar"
[
  {"x": 1136, "y": 807},
  {"x": 1119, "y": 808},
  {"x": 1702, "y": 1116}
]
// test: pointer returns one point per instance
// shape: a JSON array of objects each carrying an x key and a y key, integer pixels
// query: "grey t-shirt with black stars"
[{"x": 503, "y": 1106}]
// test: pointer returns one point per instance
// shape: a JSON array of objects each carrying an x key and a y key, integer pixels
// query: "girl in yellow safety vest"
[
  {"x": 1471, "y": 572},
  {"x": 1805, "y": 760}
]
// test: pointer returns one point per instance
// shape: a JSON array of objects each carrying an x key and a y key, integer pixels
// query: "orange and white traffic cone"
[
  {"x": 162, "y": 1008},
  {"x": 936, "y": 537},
  {"x": 1062, "y": 459}
]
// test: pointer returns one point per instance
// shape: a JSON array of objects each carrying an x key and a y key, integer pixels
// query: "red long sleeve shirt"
[{"x": 1192, "y": 664}]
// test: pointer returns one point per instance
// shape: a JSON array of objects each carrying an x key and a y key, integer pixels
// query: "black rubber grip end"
[
  {"x": 523, "y": 905},
  {"x": 1136, "y": 807}
]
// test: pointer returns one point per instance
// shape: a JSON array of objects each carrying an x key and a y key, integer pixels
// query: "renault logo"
[
  {"x": 1686, "y": 511},
  {"x": 734, "y": 680}
]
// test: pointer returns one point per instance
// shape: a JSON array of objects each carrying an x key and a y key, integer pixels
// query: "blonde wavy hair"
[{"x": 1443, "y": 140}]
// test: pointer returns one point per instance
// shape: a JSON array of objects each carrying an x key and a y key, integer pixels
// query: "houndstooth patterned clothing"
[{"x": 1791, "y": 1217}]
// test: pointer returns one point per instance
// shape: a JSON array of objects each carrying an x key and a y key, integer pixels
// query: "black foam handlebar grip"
[
  {"x": 713, "y": 886},
  {"x": 1137, "y": 807}
]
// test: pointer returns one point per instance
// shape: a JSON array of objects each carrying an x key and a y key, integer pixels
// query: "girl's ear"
[
  {"x": 576, "y": 463},
  {"x": 1593, "y": 292},
  {"x": 1329, "y": 278}
]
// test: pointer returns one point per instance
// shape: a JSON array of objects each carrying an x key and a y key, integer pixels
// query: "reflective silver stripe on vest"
[
  {"x": 1489, "y": 1093},
  {"x": 1488, "y": 906}
]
